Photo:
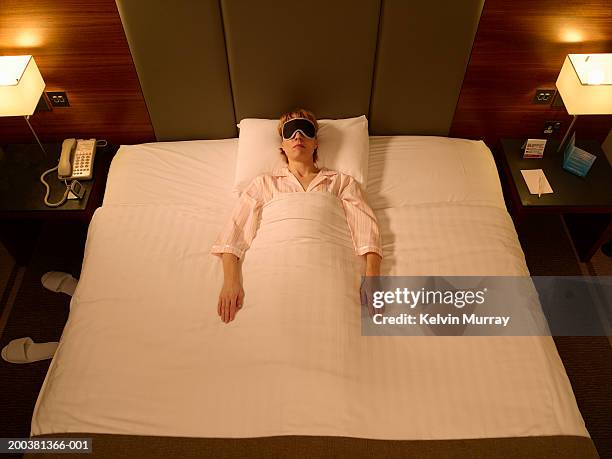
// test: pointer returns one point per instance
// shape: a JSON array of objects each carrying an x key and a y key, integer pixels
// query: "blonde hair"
[{"x": 298, "y": 113}]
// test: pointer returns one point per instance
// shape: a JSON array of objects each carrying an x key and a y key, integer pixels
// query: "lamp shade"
[
  {"x": 21, "y": 85},
  {"x": 585, "y": 84}
]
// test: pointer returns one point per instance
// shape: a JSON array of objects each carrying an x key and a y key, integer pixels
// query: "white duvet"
[{"x": 145, "y": 353}]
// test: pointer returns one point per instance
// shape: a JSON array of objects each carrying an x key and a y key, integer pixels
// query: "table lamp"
[
  {"x": 21, "y": 86},
  {"x": 585, "y": 85}
]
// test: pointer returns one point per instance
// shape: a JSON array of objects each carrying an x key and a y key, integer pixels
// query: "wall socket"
[
  {"x": 551, "y": 127},
  {"x": 58, "y": 98},
  {"x": 544, "y": 96}
]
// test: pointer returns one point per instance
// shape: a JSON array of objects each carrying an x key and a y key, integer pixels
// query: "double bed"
[{"x": 146, "y": 367}]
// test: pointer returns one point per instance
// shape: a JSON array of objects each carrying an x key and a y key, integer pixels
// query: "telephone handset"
[{"x": 76, "y": 160}]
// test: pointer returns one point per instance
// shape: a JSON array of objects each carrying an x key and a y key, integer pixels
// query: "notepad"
[{"x": 536, "y": 181}]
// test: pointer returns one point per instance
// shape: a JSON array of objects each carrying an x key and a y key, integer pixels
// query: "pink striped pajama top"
[{"x": 240, "y": 230}]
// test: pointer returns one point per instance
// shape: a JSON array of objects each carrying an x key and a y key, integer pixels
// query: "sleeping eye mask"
[{"x": 295, "y": 125}]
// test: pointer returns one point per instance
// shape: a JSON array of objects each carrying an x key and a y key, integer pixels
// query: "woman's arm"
[
  {"x": 366, "y": 238},
  {"x": 231, "y": 244},
  {"x": 361, "y": 221},
  {"x": 240, "y": 229},
  {"x": 231, "y": 268},
  {"x": 369, "y": 285},
  {"x": 372, "y": 264},
  {"x": 232, "y": 294}
]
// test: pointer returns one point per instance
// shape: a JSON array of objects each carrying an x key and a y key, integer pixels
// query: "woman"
[{"x": 298, "y": 131}]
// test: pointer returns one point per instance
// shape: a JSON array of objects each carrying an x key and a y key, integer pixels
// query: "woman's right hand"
[{"x": 230, "y": 300}]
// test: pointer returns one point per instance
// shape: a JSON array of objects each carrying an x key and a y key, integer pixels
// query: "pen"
[{"x": 540, "y": 186}]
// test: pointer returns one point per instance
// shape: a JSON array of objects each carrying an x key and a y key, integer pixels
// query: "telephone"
[
  {"x": 76, "y": 162},
  {"x": 76, "y": 159}
]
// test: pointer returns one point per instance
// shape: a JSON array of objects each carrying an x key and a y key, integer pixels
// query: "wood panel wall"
[
  {"x": 80, "y": 48},
  {"x": 520, "y": 46}
]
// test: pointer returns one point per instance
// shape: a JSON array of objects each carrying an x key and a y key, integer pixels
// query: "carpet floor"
[{"x": 42, "y": 314}]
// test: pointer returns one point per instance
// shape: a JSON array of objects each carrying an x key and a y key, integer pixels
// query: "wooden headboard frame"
[{"x": 205, "y": 65}]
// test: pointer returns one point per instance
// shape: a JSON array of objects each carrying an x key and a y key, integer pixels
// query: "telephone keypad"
[{"x": 82, "y": 159}]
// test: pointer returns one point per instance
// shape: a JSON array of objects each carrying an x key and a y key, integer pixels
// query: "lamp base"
[
  {"x": 33, "y": 132},
  {"x": 567, "y": 133}
]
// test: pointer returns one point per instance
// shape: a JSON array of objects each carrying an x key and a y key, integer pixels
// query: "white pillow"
[{"x": 343, "y": 146}]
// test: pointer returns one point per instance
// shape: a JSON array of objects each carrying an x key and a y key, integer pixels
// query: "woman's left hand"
[{"x": 369, "y": 285}]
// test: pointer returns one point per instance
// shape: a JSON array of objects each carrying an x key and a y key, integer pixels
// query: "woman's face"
[{"x": 300, "y": 148}]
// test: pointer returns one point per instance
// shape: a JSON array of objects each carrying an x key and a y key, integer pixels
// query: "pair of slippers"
[
  {"x": 58, "y": 281},
  {"x": 25, "y": 350}
]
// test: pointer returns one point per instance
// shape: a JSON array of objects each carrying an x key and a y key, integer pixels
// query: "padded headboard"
[{"x": 204, "y": 65}]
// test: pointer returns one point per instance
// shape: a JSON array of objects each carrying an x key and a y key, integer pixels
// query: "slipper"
[
  {"x": 57, "y": 281},
  {"x": 24, "y": 350}
]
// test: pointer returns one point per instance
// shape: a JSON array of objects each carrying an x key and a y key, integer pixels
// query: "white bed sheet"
[{"x": 144, "y": 352}]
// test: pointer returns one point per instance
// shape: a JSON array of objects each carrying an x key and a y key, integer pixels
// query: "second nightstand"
[{"x": 584, "y": 202}]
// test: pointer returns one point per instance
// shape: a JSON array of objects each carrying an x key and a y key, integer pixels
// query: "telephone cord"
[{"x": 63, "y": 200}]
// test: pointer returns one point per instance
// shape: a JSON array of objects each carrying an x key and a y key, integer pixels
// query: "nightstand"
[
  {"x": 22, "y": 207},
  {"x": 584, "y": 202}
]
